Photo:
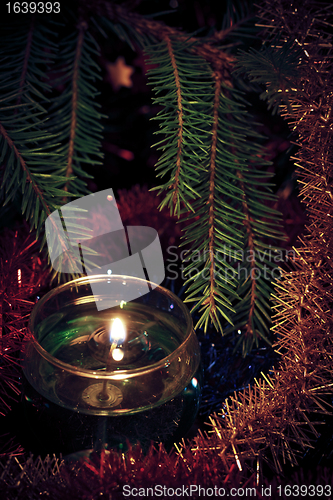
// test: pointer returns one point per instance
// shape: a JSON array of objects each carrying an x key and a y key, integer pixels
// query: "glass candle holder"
[{"x": 102, "y": 378}]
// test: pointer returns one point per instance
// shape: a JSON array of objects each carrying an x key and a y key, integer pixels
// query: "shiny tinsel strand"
[
  {"x": 110, "y": 475},
  {"x": 277, "y": 417},
  {"x": 20, "y": 281}
]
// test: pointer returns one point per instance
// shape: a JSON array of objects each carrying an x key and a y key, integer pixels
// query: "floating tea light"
[{"x": 114, "y": 365}]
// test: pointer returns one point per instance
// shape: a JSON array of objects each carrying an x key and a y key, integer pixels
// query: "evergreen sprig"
[
  {"x": 183, "y": 88},
  {"x": 74, "y": 112},
  {"x": 216, "y": 177},
  {"x": 50, "y": 126},
  {"x": 212, "y": 170},
  {"x": 30, "y": 164},
  {"x": 275, "y": 68},
  {"x": 241, "y": 227}
]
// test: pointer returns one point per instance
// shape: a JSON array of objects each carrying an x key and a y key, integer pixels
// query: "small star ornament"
[{"x": 119, "y": 74}]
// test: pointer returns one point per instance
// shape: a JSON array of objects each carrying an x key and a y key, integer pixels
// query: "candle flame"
[{"x": 117, "y": 332}]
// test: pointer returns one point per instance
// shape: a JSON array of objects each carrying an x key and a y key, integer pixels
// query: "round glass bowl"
[{"x": 126, "y": 360}]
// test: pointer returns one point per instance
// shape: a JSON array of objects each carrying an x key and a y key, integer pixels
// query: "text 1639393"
[{"x": 33, "y": 7}]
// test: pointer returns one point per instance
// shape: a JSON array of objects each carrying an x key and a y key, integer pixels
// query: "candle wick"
[
  {"x": 103, "y": 396},
  {"x": 114, "y": 345}
]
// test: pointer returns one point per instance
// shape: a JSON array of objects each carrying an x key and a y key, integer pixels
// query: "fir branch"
[
  {"x": 233, "y": 205},
  {"x": 183, "y": 125},
  {"x": 145, "y": 30},
  {"x": 218, "y": 180},
  {"x": 250, "y": 240},
  {"x": 276, "y": 64},
  {"x": 212, "y": 214},
  {"x": 27, "y": 143},
  {"x": 26, "y": 59},
  {"x": 25, "y": 139},
  {"x": 175, "y": 185},
  {"x": 29, "y": 181},
  {"x": 28, "y": 176},
  {"x": 82, "y": 26},
  {"x": 75, "y": 71}
]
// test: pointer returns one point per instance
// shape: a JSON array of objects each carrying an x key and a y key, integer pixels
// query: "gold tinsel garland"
[
  {"x": 267, "y": 420},
  {"x": 271, "y": 420}
]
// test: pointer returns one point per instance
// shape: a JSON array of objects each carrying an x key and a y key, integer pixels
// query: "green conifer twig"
[
  {"x": 175, "y": 185},
  {"x": 212, "y": 213},
  {"x": 26, "y": 60},
  {"x": 82, "y": 27}
]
